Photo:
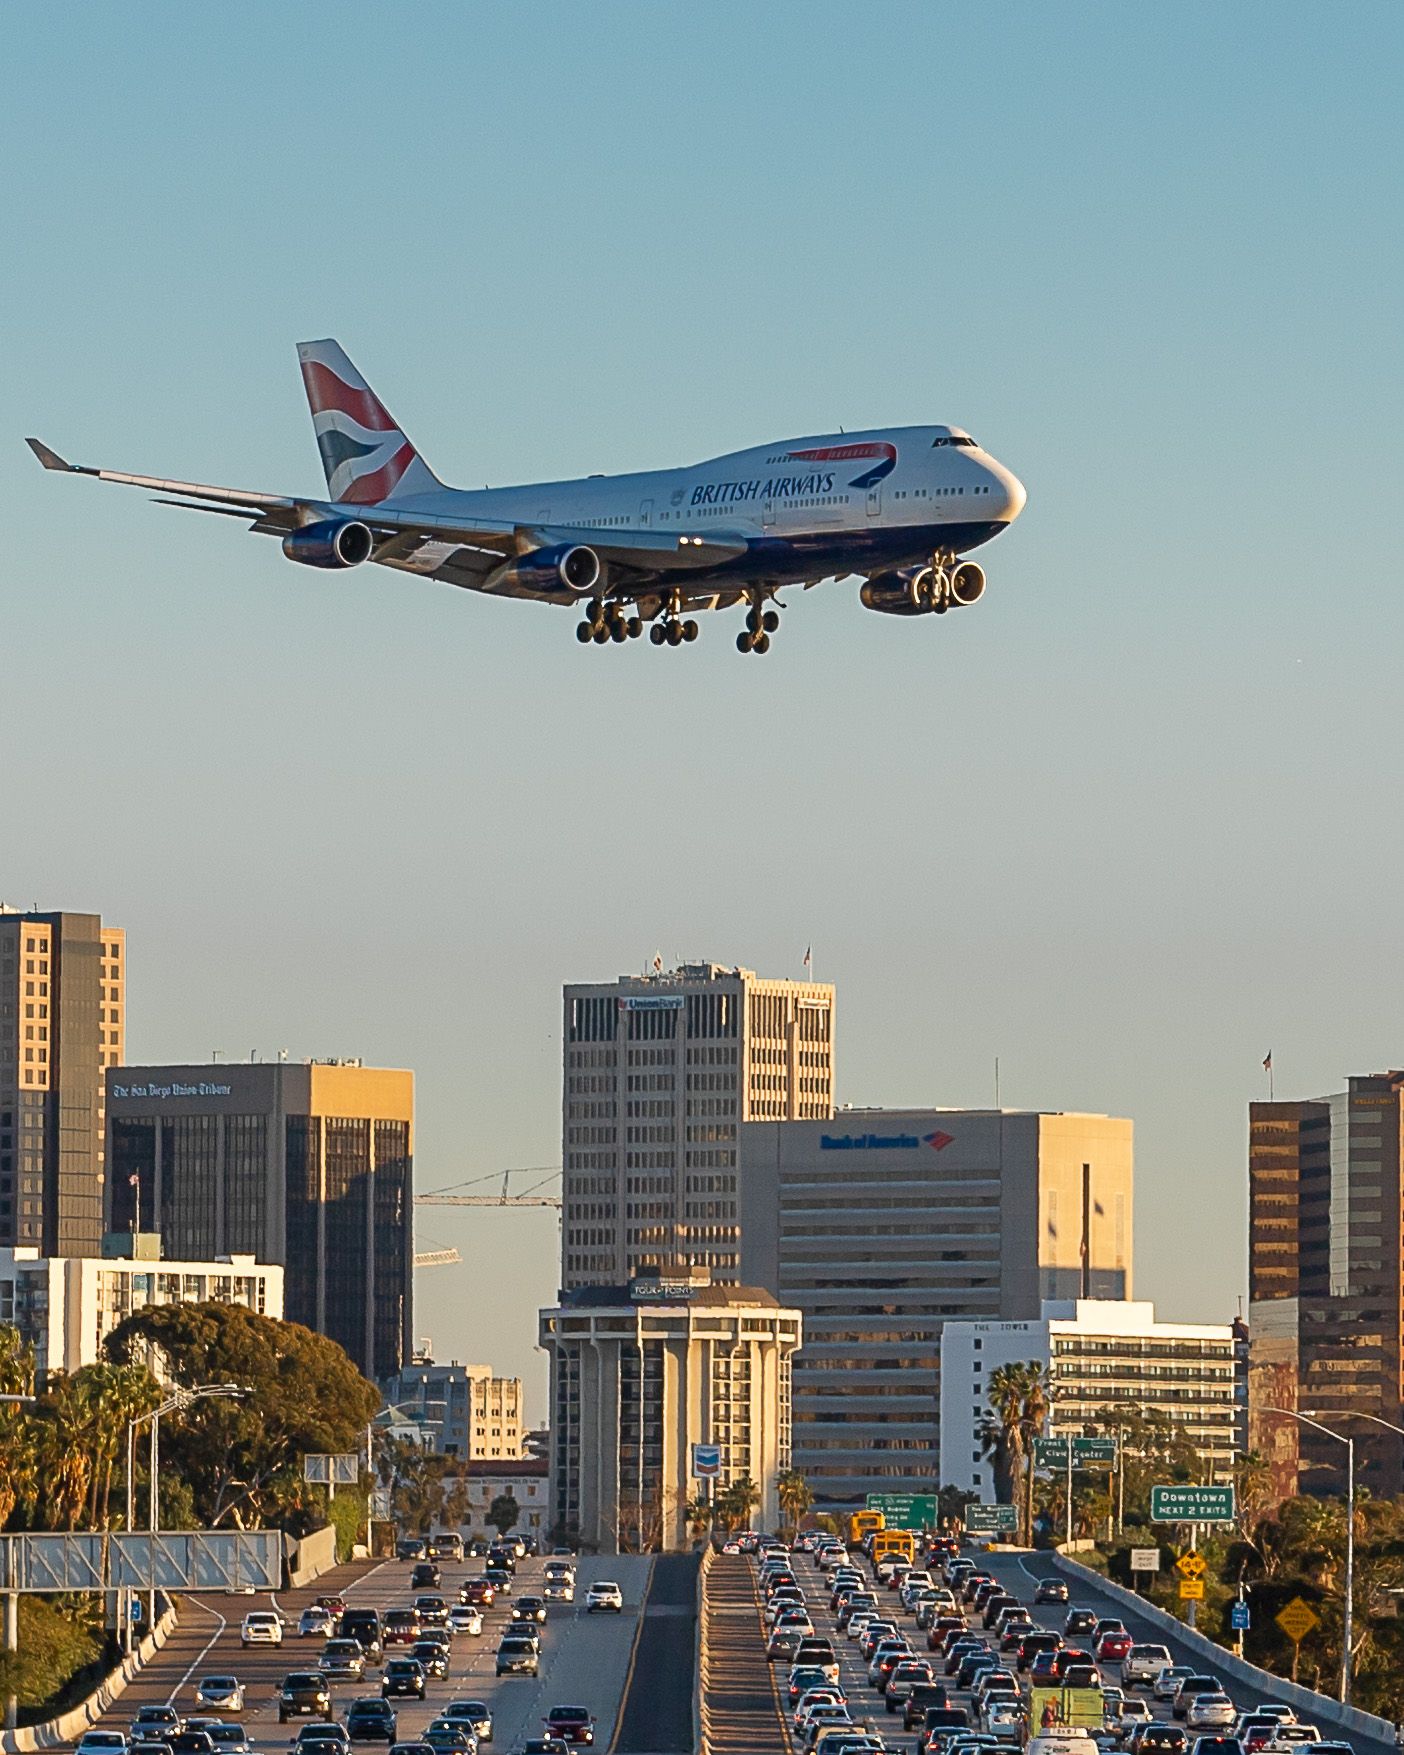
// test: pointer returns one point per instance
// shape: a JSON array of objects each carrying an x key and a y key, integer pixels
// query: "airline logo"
[
  {"x": 884, "y": 453},
  {"x": 363, "y": 452}
]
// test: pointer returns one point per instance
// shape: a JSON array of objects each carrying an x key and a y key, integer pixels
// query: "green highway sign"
[
  {"x": 991, "y": 1520},
  {"x": 905, "y": 1511},
  {"x": 1192, "y": 1505},
  {"x": 1052, "y": 1453}
]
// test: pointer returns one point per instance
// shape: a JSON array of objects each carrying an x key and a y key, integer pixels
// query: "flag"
[
  {"x": 657, "y": 965},
  {"x": 1267, "y": 1061},
  {"x": 134, "y": 1180},
  {"x": 809, "y": 956}
]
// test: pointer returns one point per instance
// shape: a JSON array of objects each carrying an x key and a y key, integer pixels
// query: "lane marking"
[
  {"x": 633, "y": 1656},
  {"x": 204, "y": 1609}
]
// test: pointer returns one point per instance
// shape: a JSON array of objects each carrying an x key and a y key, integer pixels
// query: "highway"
[{"x": 585, "y": 1659}]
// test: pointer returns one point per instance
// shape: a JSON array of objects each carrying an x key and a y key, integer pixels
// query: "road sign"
[
  {"x": 125, "y": 1559},
  {"x": 1191, "y": 1590},
  {"x": 1240, "y": 1619},
  {"x": 1191, "y": 1566},
  {"x": 706, "y": 1461},
  {"x": 1192, "y": 1505},
  {"x": 991, "y": 1520},
  {"x": 905, "y": 1511},
  {"x": 1052, "y": 1453},
  {"x": 1145, "y": 1559},
  {"x": 337, "y": 1468},
  {"x": 1297, "y": 1619}
]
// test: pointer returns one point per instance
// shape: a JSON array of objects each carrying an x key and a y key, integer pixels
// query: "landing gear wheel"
[
  {"x": 674, "y": 635},
  {"x": 619, "y": 630},
  {"x": 762, "y": 643},
  {"x": 941, "y": 607},
  {"x": 584, "y": 633},
  {"x": 599, "y": 633},
  {"x": 635, "y": 627},
  {"x": 755, "y": 621},
  {"x": 770, "y": 621},
  {"x": 658, "y": 633},
  {"x": 743, "y": 641},
  {"x": 690, "y": 631},
  {"x": 595, "y": 610}
]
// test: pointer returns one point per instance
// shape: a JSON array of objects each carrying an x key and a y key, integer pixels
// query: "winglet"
[{"x": 50, "y": 459}]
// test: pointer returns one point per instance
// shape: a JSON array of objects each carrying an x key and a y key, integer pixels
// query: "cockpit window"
[{"x": 974, "y": 444}]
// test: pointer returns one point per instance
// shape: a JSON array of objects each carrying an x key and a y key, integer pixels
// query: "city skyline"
[{"x": 1119, "y": 826}]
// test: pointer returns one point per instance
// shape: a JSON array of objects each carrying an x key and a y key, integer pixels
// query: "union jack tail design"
[{"x": 366, "y": 457}]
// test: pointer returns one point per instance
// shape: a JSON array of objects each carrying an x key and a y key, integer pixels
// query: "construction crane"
[{"x": 445, "y": 1197}]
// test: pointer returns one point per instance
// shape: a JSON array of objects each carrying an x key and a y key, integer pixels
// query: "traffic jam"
[{"x": 893, "y": 1642}]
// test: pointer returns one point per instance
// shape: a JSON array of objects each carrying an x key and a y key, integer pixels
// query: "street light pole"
[{"x": 1348, "y": 1617}]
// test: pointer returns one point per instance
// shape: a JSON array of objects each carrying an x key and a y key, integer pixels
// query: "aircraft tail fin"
[{"x": 367, "y": 458}]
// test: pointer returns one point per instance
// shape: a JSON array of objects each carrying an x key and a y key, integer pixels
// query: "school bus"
[
  {"x": 900, "y": 1544},
  {"x": 863, "y": 1523}
]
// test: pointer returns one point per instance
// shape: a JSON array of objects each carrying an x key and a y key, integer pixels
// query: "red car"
[
  {"x": 572, "y": 1724},
  {"x": 479, "y": 1593},
  {"x": 1113, "y": 1647}
]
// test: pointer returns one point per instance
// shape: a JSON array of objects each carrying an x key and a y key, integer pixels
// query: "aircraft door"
[
  {"x": 875, "y": 501},
  {"x": 646, "y": 515}
]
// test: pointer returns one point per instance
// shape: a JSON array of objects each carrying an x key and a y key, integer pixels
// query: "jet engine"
[
  {"x": 967, "y": 582},
  {"x": 898, "y": 593},
  {"x": 330, "y": 544},
  {"x": 572, "y": 567}
]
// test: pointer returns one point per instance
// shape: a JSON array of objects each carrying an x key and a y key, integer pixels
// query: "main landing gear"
[
  {"x": 605, "y": 622},
  {"x": 760, "y": 625}
]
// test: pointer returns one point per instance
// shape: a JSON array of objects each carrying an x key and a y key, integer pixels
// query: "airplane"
[{"x": 899, "y": 506}]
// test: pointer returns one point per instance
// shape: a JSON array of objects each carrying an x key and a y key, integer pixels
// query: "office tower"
[
  {"x": 660, "y": 1071},
  {"x": 643, "y": 1374},
  {"x": 882, "y": 1225},
  {"x": 308, "y": 1164},
  {"x": 1098, "y": 1353},
  {"x": 463, "y": 1410},
  {"x": 1326, "y": 1303},
  {"x": 62, "y": 986}
]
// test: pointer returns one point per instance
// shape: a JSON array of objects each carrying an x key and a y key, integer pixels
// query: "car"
[
  {"x": 446, "y": 1545},
  {"x": 1078, "y": 1623},
  {"x": 1030, "y": 1646},
  {"x": 228, "y": 1738},
  {"x": 102, "y": 1743},
  {"x": 920, "y": 1697},
  {"x": 814, "y": 1697},
  {"x": 544, "y": 1746},
  {"x": 1292, "y": 1737},
  {"x": 410, "y": 1548},
  {"x": 517, "y": 1655},
  {"x": 501, "y": 1577},
  {"x": 400, "y": 1626},
  {"x": 784, "y": 1642},
  {"x": 478, "y": 1593},
  {"x": 902, "y": 1678},
  {"x": 220, "y": 1694},
  {"x": 261, "y": 1627},
  {"x": 1143, "y": 1663},
  {"x": 1209, "y": 1711},
  {"x": 476, "y": 1714},
  {"x": 802, "y": 1678},
  {"x": 529, "y": 1609},
  {"x": 403, "y": 1676},
  {"x": 191, "y": 1741},
  {"x": 328, "y": 1733},
  {"x": 155, "y": 1718},
  {"x": 1194, "y": 1684},
  {"x": 1167, "y": 1682},
  {"x": 1051, "y": 1590},
  {"x": 1160, "y": 1738},
  {"x": 604, "y": 1595},
  {"x": 572, "y": 1724},
  {"x": 559, "y": 1590},
  {"x": 431, "y": 1608},
  {"x": 432, "y": 1656},
  {"x": 426, "y": 1576},
  {"x": 370, "y": 1720},
  {"x": 151, "y": 1745},
  {"x": 1113, "y": 1647},
  {"x": 1132, "y": 1712},
  {"x": 342, "y": 1660},
  {"x": 315, "y": 1622},
  {"x": 362, "y": 1625},
  {"x": 415, "y": 1748},
  {"x": 304, "y": 1694},
  {"x": 445, "y": 1738},
  {"x": 462, "y": 1619},
  {"x": 1216, "y": 1745}
]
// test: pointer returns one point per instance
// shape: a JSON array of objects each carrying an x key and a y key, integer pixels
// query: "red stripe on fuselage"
[
  {"x": 844, "y": 453},
  {"x": 326, "y": 391}
]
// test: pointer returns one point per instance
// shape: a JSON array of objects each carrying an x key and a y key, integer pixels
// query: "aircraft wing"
[{"x": 464, "y": 548}]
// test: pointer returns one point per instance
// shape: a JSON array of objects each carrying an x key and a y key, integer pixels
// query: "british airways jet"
[{"x": 900, "y": 507}]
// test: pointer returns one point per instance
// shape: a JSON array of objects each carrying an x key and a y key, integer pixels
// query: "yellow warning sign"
[
  {"x": 1297, "y": 1619},
  {"x": 1191, "y": 1566},
  {"x": 1191, "y": 1590}
]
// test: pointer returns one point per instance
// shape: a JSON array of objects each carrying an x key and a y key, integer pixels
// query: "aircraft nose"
[{"x": 1010, "y": 493}]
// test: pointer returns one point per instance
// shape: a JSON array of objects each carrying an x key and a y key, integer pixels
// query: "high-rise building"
[
  {"x": 62, "y": 986},
  {"x": 470, "y": 1411},
  {"x": 307, "y": 1164},
  {"x": 1326, "y": 1296},
  {"x": 660, "y": 1071},
  {"x": 882, "y": 1225},
  {"x": 1099, "y": 1354},
  {"x": 646, "y": 1379}
]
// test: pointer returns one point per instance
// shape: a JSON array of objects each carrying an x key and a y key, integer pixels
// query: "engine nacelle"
[
  {"x": 574, "y": 568},
  {"x": 967, "y": 582},
  {"x": 330, "y": 544},
  {"x": 898, "y": 593}
]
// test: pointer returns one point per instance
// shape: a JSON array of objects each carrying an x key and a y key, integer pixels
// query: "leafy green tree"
[
  {"x": 243, "y": 1458},
  {"x": 504, "y": 1513},
  {"x": 795, "y": 1495}
]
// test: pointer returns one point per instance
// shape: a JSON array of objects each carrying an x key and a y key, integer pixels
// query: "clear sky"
[{"x": 1127, "y": 826}]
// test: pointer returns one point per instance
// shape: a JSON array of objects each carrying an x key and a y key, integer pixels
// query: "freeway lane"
[
  {"x": 657, "y": 1716},
  {"x": 584, "y": 1658}
]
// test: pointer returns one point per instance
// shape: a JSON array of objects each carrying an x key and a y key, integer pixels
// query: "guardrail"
[
  {"x": 1307, "y": 1700},
  {"x": 71, "y": 1724},
  {"x": 701, "y": 1671}
]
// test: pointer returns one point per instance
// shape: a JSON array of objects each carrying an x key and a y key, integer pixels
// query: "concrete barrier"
[
  {"x": 71, "y": 1724},
  {"x": 701, "y": 1678},
  {"x": 1306, "y": 1701},
  {"x": 311, "y": 1557}
]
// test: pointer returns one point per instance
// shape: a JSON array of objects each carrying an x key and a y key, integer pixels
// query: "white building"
[
  {"x": 527, "y": 1481},
  {"x": 464, "y": 1410},
  {"x": 1099, "y": 1353},
  {"x": 66, "y": 1306}
]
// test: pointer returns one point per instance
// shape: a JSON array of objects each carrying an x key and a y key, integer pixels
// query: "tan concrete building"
[
  {"x": 469, "y": 1411},
  {"x": 881, "y": 1225},
  {"x": 660, "y": 1072},
  {"x": 62, "y": 1023},
  {"x": 642, "y": 1373},
  {"x": 308, "y": 1164}
]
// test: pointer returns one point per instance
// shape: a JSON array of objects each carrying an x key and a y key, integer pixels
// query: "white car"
[
  {"x": 1210, "y": 1712},
  {"x": 463, "y": 1618},
  {"x": 1167, "y": 1682},
  {"x": 101, "y": 1743},
  {"x": 220, "y": 1694},
  {"x": 261, "y": 1627},
  {"x": 604, "y": 1595},
  {"x": 1143, "y": 1663}
]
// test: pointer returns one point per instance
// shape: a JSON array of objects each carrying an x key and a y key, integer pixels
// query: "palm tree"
[
  {"x": 19, "y": 1470},
  {"x": 795, "y": 1496},
  {"x": 699, "y": 1513},
  {"x": 1018, "y": 1398},
  {"x": 16, "y": 1363},
  {"x": 736, "y": 1502}
]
